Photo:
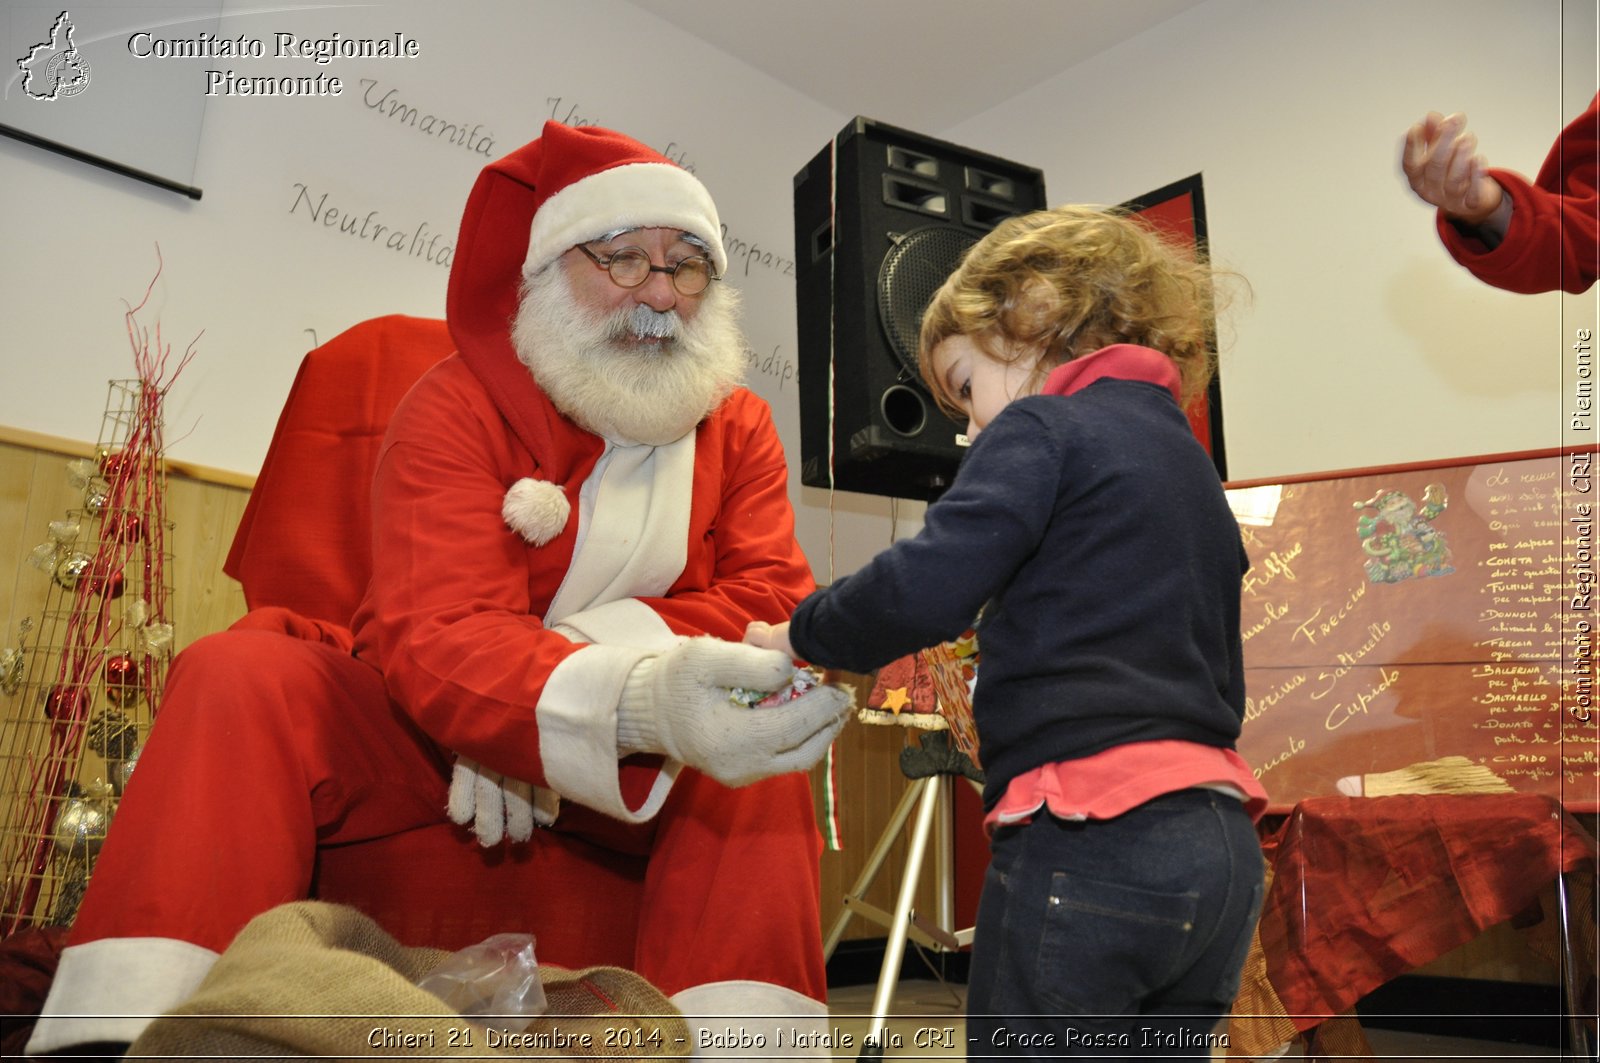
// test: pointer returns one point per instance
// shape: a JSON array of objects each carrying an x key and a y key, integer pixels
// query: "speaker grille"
[
  {"x": 911, "y": 272},
  {"x": 867, "y": 422}
]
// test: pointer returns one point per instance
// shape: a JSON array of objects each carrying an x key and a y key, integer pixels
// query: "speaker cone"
[{"x": 915, "y": 267}]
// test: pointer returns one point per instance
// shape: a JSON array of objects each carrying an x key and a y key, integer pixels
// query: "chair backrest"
[{"x": 304, "y": 541}]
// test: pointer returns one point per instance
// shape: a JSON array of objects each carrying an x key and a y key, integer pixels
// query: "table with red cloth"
[{"x": 1361, "y": 890}]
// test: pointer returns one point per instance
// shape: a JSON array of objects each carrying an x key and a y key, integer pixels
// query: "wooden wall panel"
[
  {"x": 33, "y": 492},
  {"x": 203, "y": 518}
]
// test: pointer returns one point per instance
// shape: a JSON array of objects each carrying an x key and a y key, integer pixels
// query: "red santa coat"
[{"x": 458, "y": 611}]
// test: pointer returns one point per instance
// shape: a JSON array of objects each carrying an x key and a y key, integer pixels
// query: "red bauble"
[
  {"x": 125, "y": 527},
  {"x": 122, "y": 680},
  {"x": 65, "y": 703},
  {"x": 108, "y": 584},
  {"x": 115, "y": 465}
]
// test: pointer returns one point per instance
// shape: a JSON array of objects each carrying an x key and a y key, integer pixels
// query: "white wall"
[
  {"x": 1364, "y": 344},
  {"x": 250, "y": 266}
]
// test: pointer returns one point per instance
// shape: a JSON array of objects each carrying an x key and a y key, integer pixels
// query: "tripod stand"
[{"x": 933, "y": 767}]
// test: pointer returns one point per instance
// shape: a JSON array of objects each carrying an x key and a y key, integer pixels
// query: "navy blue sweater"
[{"x": 1094, "y": 532}]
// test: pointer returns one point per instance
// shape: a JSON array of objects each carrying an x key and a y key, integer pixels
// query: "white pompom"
[{"x": 537, "y": 510}]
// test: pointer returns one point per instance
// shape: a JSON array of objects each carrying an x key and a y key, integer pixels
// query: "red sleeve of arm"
[
  {"x": 448, "y": 616},
  {"x": 1553, "y": 242}
]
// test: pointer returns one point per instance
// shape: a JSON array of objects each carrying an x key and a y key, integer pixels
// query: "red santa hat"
[{"x": 591, "y": 182}]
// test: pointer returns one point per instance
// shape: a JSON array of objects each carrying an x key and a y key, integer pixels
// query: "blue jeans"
[{"x": 1115, "y": 939}]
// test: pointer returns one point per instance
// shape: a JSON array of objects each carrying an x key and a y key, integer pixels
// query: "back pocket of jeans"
[{"x": 1106, "y": 945}]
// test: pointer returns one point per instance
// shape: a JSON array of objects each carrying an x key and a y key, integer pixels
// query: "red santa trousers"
[{"x": 279, "y": 769}]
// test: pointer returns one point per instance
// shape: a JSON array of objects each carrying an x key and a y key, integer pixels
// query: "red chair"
[{"x": 303, "y": 544}]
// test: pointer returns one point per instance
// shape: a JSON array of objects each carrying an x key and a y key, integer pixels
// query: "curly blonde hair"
[{"x": 1058, "y": 284}]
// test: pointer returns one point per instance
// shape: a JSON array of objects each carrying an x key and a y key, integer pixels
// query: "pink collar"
[{"x": 1120, "y": 361}]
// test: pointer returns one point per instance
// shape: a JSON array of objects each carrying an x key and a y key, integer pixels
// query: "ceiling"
[{"x": 921, "y": 64}]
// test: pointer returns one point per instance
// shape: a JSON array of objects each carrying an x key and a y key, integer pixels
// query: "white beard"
[{"x": 603, "y": 373}]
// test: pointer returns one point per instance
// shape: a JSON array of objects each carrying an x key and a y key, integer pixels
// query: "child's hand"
[{"x": 768, "y": 636}]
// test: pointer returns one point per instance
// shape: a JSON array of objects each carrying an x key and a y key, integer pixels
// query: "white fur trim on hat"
[
  {"x": 640, "y": 195},
  {"x": 537, "y": 510}
]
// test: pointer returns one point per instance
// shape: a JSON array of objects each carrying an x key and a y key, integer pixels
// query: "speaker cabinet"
[{"x": 882, "y": 216}]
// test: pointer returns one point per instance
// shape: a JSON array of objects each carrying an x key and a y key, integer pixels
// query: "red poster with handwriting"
[{"x": 1422, "y": 625}]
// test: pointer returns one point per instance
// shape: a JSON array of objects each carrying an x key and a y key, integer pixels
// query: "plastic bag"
[{"x": 497, "y": 978}]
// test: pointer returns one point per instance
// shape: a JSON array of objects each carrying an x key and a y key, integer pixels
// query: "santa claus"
[{"x": 571, "y": 514}]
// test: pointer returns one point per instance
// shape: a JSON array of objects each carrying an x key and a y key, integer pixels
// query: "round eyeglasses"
[{"x": 631, "y": 266}]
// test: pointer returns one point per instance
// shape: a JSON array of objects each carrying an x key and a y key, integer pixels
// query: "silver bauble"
[
  {"x": 70, "y": 569},
  {"x": 80, "y": 828}
]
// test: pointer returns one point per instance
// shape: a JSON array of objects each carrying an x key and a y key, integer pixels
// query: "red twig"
[{"x": 132, "y": 531}]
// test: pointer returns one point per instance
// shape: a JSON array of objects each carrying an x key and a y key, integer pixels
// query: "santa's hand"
[
  {"x": 679, "y": 703},
  {"x": 496, "y": 806}
]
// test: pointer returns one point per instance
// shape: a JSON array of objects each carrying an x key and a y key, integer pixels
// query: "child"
[{"x": 1089, "y": 526}]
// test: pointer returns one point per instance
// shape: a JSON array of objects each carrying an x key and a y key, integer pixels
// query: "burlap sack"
[{"x": 324, "y": 980}]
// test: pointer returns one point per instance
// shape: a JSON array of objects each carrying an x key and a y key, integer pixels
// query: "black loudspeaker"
[{"x": 881, "y": 218}]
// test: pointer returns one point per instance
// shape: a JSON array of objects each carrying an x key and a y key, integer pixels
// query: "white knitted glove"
[
  {"x": 497, "y": 806},
  {"x": 678, "y": 703}
]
